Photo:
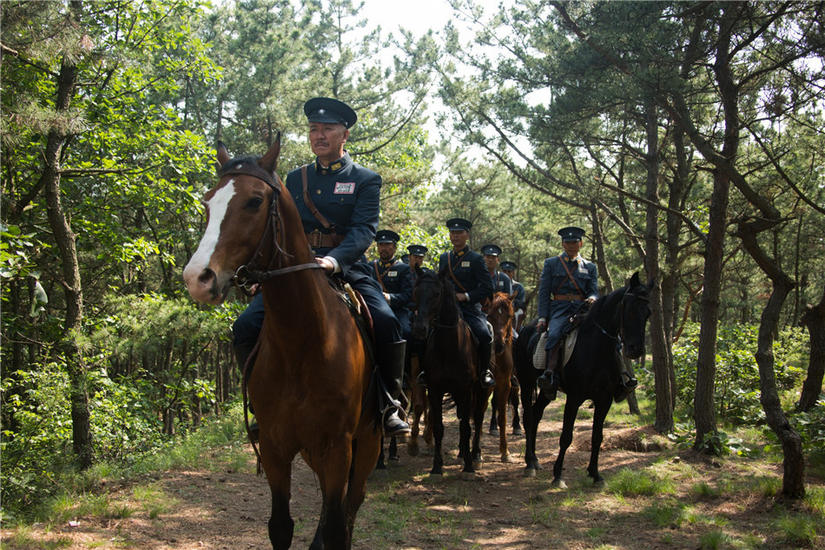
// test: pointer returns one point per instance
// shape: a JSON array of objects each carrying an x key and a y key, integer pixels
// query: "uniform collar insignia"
[
  {"x": 461, "y": 252},
  {"x": 389, "y": 263},
  {"x": 334, "y": 167}
]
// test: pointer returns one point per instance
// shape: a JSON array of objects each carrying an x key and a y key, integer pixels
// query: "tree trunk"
[
  {"x": 66, "y": 246},
  {"x": 704, "y": 407},
  {"x": 664, "y": 404},
  {"x": 814, "y": 319},
  {"x": 793, "y": 480}
]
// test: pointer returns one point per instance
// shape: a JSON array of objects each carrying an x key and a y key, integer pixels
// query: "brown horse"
[
  {"x": 309, "y": 385},
  {"x": 500, "y": 315},
  {"x": 418, "y": 402}
]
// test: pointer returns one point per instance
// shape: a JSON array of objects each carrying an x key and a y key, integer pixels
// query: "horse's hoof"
[
  {"x": 529, "y": 472},
  {"x": 505, "y": 457},
  {"x": 517, "y": 431},
  {"x": 558, "y": 484}
]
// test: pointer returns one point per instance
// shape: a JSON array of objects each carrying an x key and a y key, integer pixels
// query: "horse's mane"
[
  {"x": 499, "y": 298},
  {"x": 604, "y": 303}
]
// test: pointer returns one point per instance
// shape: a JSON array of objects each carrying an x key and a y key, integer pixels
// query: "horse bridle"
[
  {"x": 247, "y": 274},
  {"x": 619, "y": 336}
]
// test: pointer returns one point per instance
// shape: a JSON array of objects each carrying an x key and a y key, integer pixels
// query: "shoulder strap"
[
  {"x": 569, "y": 276},
  {"x": 378, "y": 275},
  {"x": 452, "y": 275},
  {"x": 308, "y": 201}
]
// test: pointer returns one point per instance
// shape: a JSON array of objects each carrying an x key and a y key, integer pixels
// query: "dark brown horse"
[
  {"x": 500, "y": 316},
  {"x": 450, "y": 360},
  {"x": 309, "y": 385}
]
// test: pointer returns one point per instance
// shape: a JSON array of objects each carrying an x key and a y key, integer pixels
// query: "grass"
[
  {"x": 635, "y": 483},
  {"x": 222, "y": 439}
]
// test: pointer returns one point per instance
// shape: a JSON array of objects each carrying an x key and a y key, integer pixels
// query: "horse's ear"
[
  {"x": 634, "y": 280},
  {"x": 223, "y": 154},
  {"x": 270, "y": 160}
]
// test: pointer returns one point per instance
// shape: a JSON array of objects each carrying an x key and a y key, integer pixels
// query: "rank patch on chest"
[
  {"x": 344, "y": 188},
  {"x": 392, "y": 273},
  {"x": 465, "y": 264}
]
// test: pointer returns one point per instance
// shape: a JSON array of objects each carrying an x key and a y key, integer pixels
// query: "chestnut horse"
[
  {"x": 450, "y": 360},
  {"x": 309, "y": 385},
  {"x": 615, "y": 324},
  {"x": 500, "y": 315}
]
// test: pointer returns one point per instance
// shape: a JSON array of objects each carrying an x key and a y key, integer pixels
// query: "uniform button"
[{"x": 317, "y": 191}]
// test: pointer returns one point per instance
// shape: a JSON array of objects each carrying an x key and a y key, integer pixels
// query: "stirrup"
[
  {"x": 487, "y": 379},
  {"x": 421, "y": 379},
  {"x": 392, "y": 422}
]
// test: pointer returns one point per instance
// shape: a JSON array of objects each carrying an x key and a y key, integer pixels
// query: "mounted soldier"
[
  {"x": 519, "y": 294},
  {"x": 338, "y": 202},
  {"x": 568, "y": 282},
  {"x": 501, "y": 281},
  {"x": 394, "y": 277},
  {"x": 473, "y": 285}
]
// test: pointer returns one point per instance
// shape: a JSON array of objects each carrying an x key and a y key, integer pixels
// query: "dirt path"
[{"x": 500, "y": 508}]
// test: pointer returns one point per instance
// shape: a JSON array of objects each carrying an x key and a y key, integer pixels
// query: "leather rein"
[{"x": 249, "y": 274}]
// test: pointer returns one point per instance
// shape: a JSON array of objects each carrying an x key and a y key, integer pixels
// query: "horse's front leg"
[
  {"x": 599, "y": 415},
  {"x": 278, "y": 474},
  {"x": 533, "y": 411},
  {"x": 571, "y": 409},
  {"x": 480, "y": 407},
  {"x": 437, "y": 423},
  {"x": 463, "y": 409},
  {"x": 514, "y": 398},
  {"x": 332, "y": 464},
  {"x": 502, "y": 420}
]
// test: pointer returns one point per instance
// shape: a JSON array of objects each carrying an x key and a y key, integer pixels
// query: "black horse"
[
  {"x": 615, "y": 324},
  {"x": 450, "y": 359}
]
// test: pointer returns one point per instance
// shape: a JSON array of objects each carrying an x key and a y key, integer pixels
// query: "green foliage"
[
  {"x": 798, "y": 529},
  {"x": 736, "y": 388},
  {"x": 811, "y": 426}
]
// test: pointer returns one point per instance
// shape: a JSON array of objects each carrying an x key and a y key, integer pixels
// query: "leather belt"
[
  {"x": 568, "y": 297},
  {"x": 324, "y": 240}
]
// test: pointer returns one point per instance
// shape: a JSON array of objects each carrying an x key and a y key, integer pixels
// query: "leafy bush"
[
  {"x": 736, "y": 386},
  {"x": 144, "y": 360}
]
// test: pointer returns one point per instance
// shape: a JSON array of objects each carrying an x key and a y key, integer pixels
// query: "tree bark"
[
  {"x": 793, "y": 480},
  {"x": 664, "y": 404},
  {"x": 814, "y": 319},
  {"x": 70, "y": 268}
]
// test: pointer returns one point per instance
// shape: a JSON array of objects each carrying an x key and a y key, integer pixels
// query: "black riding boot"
[
  {"x": 485, "y": 375},
  {"x": 242, "y": 355},
  {"x": 391, "y": 368},
  {"x": 548, "y": 382}
]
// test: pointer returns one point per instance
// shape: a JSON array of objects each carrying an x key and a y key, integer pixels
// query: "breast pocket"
[{"x": 341, "y": 207}]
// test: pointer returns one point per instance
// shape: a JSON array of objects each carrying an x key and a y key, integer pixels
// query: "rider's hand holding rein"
[{"x": 326, "y": 263}]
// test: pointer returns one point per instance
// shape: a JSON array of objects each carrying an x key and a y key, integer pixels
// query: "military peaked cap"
[
  {"x": 329, "y": 111},
  {"x": 571, "y": 233},
  {"x": 387, "y": 236},
  {"x": 459, "y": 224},
  {"x": 417, "y": 249},
  {"x": 508, "y": 266},
  {"x": 491, "y": 250}
]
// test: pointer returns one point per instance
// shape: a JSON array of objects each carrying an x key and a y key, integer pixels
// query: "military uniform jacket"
[
  {"x": 519, "y": 296},
  {"x": 347, "y": 195},
  {"x": 396, "y": 280},
  {"x": 469, "y": 269},
  {"x": 501, "y": 282},
  {"x": 554, "y": 281}
]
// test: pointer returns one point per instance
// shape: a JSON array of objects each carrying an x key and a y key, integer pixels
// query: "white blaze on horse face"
[{"x": 217, "y": 207}]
